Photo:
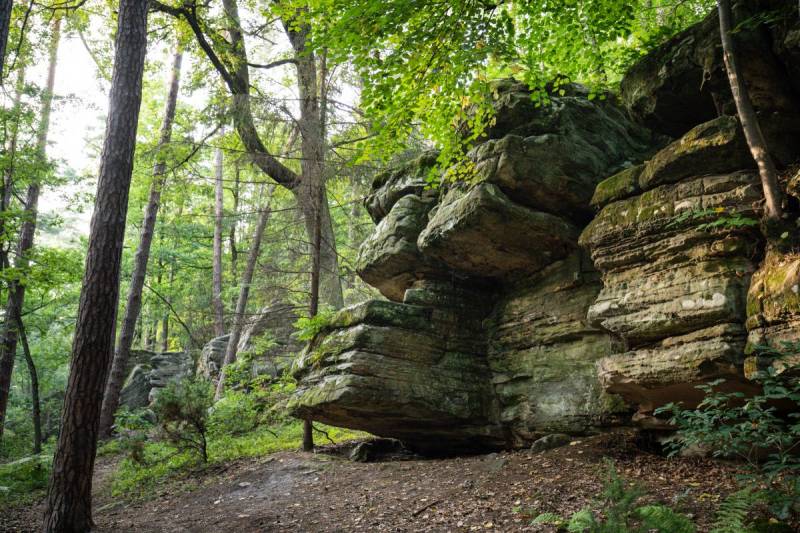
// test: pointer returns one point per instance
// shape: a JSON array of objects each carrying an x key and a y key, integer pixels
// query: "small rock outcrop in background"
[
  {"x": 151, "y": 371},
  {"x": 267, "y": 338}
]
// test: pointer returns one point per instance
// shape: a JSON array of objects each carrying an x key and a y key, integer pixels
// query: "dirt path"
[{"x": 298, "y": 492}]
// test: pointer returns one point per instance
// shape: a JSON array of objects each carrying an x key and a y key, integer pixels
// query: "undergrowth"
[{"x": 162, "y": 462}]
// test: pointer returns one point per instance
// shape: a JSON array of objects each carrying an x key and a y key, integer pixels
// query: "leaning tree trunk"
[
  {"x": 747, "y": 115},
  {"x": 5, "y": 22},
  {"x": 16, "y": 290},
  {"x": 244, "y": 293},
  {"x": 36, "y": 407},
  {"x": 216, "y": 279},
  {"x": 69, "y": 498},
  {"x": 134, "y": 305}
]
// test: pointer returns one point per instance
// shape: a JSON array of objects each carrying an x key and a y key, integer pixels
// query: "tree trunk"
[
  {"x": 244, "y": 292},
  {"x": 69, "y": 499},
  {"x": 16, "y": 289},
  {"x": 7, "y": 185},
  {"x": 5, "y": 22},
  {"x": 134, "y": 304},
  {"x": 312, "y": 195},
  {"x": 216, "y": 282},
  {"x": 238, "y": 81},
  {"x": 234, "y": 214},
  {"x": 36, "y": 407},
  {"x": 747, "y": 115}
]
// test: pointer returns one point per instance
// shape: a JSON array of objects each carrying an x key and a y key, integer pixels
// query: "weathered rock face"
[
  {"x": 150, "y": 371},
  {"x": 683, "y": 82},
  {"x": 676, "y": 262},
  {"x": 585, "y": 270},
  {"x": 490, "y": 346},
  {"x": 773, "y": 301},
  {"x": 267, "y": 338}
]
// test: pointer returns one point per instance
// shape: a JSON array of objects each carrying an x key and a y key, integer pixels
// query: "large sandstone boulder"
[
  {"x": 151, "y": 371},
  {"x": 676, "y": 261},
  {"x": 481, "y": 232},
  {"x": 542, "y": 353},
  {"x": 403, "y": 371},
  {"x": 773, "y": 302},
  {"x": 490, "y": 347},
  {"x": 267, "y": 339}
]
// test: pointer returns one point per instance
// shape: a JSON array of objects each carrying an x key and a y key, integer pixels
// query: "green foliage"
[
  {"x": 24, "y": 479},
  {"x": 182, "y": 412},
  {"x": 752, "y": 428},
  {"x": 712, "y": 219},
  {"x": 308, "y": 327},
  {"x": 234, "y": 414},
  {"x": 426, "y": 67},
  {"x": 732, "y": 515},
  {"x": 622, "y": 513},
  {"x": 163, "y": 462}
]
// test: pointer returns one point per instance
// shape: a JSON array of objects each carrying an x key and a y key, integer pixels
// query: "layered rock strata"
[{"x": 486, "y": 342}]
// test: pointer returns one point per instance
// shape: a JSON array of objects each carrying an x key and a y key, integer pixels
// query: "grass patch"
[
  {"x": 25, "y": 480},
  {"x": 164, "y": 463}
]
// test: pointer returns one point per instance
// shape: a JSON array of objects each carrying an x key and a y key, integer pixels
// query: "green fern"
[
  {"x": 548, "y": 519},
  {"x": 663, "y": 519},
  {"x": 582, "y": 521},
  {"x": 732, "y": 513}
]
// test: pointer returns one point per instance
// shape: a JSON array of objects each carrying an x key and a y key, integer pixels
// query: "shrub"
[
  {"x": 234, "y": 414},
  {"x": 22, "y": 478},
  {"x": 754, "y": 429},
  {"x": 182, "y": 412}
]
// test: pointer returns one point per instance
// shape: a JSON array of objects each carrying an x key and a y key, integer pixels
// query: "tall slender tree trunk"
[
  {"x": 244, "y": 292},
  {"x": 234, "y": 215},
  {"x": 134, "y": 304},
  {"x": 7, "y": 184},
  {"x": 216, "y": 281},
  {"x": 16, "y": 290},
  {"x": 5, "y": 22},
  {"x": 302, "y": 187},
  {"x": 36, "y": 407},
  {"x": 747, "y": 115},
  {"x": 69, "y": 499}
]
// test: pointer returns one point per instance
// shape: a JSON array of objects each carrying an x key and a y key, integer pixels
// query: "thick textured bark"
[
  {"x": 16, "y": 290},
  {"x": 5, "y": 23},
  {"x": 69, "y": 499},
  {"x": 244, "y": 293},
  {"x": 216, "y": 281},
  {"x": 134, "y": 304},
  {"x": 748, "y": 118},
  {"x": 36, "y": 407}
]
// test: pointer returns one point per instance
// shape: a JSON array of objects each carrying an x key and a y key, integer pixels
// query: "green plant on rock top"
[
  {"x": 623, "y": 513},
  {"x": 308, "y": 327}
]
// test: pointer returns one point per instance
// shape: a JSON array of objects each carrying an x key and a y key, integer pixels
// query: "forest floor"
[{"x": 303, "y": 492}]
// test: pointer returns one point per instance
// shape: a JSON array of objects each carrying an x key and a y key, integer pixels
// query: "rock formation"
[
  {"x": 490, "y": 346},
  {"x": 150, "y": 371},
  {"x": 588, "y": 268},
  {"x": 267, "y": 339}
]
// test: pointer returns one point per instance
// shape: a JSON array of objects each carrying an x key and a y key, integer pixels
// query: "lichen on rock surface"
[
  {"x": 581, "y": 270},
  {"x": 490, "y": 347}
]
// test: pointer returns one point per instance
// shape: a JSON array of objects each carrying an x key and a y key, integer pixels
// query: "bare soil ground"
[{"x": 298, "y": 492}]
